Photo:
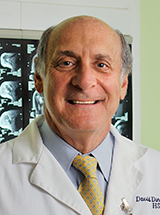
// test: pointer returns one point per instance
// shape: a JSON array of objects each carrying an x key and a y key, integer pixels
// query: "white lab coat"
[{"x": 33, "y": 183}]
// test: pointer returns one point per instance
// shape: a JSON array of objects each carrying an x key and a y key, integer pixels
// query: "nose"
[{"x": 84, "y": 78}]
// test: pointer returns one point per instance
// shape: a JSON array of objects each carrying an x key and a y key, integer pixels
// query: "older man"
[{"x": 71, "y": 160}]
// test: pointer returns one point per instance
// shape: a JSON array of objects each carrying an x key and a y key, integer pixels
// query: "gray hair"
[
  {"x": 41, "y": 51},
  {"x": 126, "y": 56},
  {"x": 126, "y": 64}
]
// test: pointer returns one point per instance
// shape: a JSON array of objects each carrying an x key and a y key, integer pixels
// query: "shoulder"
[
  {"x": 126, "y": 144},
  {"x": 6, "y": 147},
  {"x": 144, "y": 153},
  {"x": 150, "y": 161},
  {"x": 26, "y": 141}
]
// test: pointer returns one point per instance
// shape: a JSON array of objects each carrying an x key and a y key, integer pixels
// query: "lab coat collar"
[
  {"x": 28, "y": 145},
  {"x": 124, "y": 178},
  {"x": 47, "y": 173},
  {"x": 50, "y": 176}
]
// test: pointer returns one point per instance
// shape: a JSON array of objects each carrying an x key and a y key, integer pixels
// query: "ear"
[
  {"x": 124, "y": 87},
  {"x": 38, "y": 82}
]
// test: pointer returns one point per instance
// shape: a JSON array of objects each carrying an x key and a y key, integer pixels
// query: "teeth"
[{"x": 83, "y": 102}]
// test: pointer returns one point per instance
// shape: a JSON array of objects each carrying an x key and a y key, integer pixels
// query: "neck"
[{"x": 83, "y": 141}]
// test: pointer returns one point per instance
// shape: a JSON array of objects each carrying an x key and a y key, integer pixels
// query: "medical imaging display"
[
  {"x": 20, "y": 103},
  {"x": 34, "y": 98},
  {"x": 17, "y": 108},
  {"x": 122, "y": 119}
]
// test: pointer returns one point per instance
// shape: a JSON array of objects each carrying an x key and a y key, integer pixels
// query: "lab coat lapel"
[
  {"x": 47, "y": 173},
  {"x": 49, "y": 176},
  {"x": 124, "y": 178}
]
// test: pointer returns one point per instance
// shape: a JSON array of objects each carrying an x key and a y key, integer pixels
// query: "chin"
[{"x": 84, "y": 126}]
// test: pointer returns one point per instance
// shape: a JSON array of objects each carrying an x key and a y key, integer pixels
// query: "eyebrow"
[
  {"x": 67, "y": 53},
  {"x": 101, "y": 56},
  {"x": 72, "y": 54}
]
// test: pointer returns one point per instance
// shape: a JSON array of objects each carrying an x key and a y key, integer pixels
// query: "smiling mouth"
[{"x": 83, "y": 102}]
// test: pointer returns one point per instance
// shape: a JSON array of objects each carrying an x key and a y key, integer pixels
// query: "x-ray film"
[
  {"x": 16, "y": 78},
  {"x": 11, "y": 112}
]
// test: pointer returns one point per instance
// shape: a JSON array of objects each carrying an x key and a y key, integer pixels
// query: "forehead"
[{"x": 84, "y": 33}]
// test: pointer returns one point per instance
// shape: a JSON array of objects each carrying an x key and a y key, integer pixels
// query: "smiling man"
[
  {"x": 82, "y": 82},
  {"x": 72, "y": 160}
]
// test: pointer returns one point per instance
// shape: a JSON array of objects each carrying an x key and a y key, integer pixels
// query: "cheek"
[
  {"x": 48, "y": 91},
  {"x": 112, "y": 87},
  {"x": 54, "y": 89}
]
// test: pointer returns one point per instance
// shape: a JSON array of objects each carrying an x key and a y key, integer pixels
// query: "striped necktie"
[{"x": 89, "y": 188}]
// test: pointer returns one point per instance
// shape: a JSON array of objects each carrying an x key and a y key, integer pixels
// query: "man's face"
[{"x": 82, "y": 86}]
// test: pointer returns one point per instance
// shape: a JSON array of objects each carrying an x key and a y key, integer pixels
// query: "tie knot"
[{"x": 86, "y": 164}]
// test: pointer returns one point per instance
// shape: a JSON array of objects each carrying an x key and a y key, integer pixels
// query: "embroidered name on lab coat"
[{"x": 155, "y": 201}]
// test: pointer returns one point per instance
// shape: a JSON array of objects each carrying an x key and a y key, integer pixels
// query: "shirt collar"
[
  {"x": 64, "y": 153},
  {"x": 103, "y": 153}
]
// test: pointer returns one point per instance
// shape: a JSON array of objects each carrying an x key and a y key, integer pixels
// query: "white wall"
[{"x": 40, "y": 14}]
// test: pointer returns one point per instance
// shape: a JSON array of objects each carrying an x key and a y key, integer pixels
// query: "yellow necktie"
[{"x": 89, "y": 188}]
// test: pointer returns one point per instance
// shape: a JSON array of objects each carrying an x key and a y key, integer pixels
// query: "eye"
[
  {"x": 66, "y": 63},
  {"x": 101, "y": 65}
]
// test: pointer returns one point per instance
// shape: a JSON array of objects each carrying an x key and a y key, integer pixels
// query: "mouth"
[{"x": 74, "y": 102}]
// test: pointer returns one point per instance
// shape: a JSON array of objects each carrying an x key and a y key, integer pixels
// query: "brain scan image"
[
  {"x": 37, "y": 103},
  {"x": 10, "y": 120},
  {"x": 10, "y": 90},
  {"x": 10, "y": 60}
]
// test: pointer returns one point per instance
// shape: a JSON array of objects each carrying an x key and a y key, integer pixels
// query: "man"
[{"x": 82, "y": 69}]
